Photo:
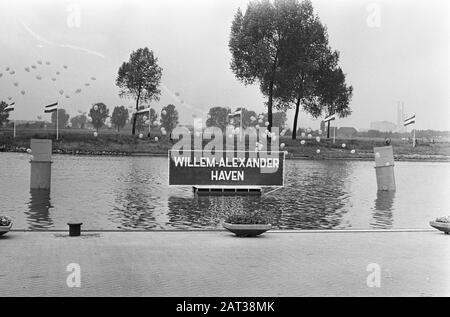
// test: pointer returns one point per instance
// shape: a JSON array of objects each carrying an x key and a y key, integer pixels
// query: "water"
[{"x": 127, "y": 193}]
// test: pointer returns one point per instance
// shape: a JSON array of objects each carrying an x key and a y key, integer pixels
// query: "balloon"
[
  {"x": 1, "y": 74},
  {"x": 39, "y": 117},
  {"x": 260, "y": 120},
  {"x": 79, "y": 111},
  {"x": 257, "y": 126},
  {"x": 303, "y": 134},
  {"x": 95, "y": 107},
  {"x": 141, "y": 136},
  {"x": 302, "y": 142},
  {"x": 266, "y": 123},
  {"x": 318, "y": 138},
  {"x": 93, "y": 78},
  {"x": 155, "y": 123},
  {"x": 208, "y": 116},
  {"x": 144, "y": 118},
  {"x": 377, "y": 155},
  {"x": 309, "y": 136},
  {"x": 29, "y": 151},
  {"x": 39, "y": 62},
  {"x": 9, "y": 98},
  {"x": 163, "y": 132},
  {"x": 86, "y": 84},
  {"x": 61, "y": 92},
  {"x": 318, "y": 151},
  {"x": 252, "y": 118},
  {"x": 308, "y": 130},
  {"x": 33, "y": 66},
  {"x": 67, "y": 96},
  {"x": 156, "y": 139},
  {"x": 65, "y": 66},
  {"x": 54, "y": 79},
  {"x": 38, "y": 77},
  {"x": 147, "y": 122},
  {"x": 78, "y": 91},
  {"x": 95, "y": 133},
  {"x": 352, "y": 151},
  {"x": 7, "y": 68},
  {"x": 57, "y": 73},
  {"x": 343, "y": 145},
  {"x": 274, "y": 137},
  {"x": 16, "y": 84},
  {"x": 27, "y": 69},
  {"x": 286, "y": 152},
  {"x": 23, "y": 92},
  {"x": 387, "y": 164},
  {"x": 164, "y": 112},
  {"x": 282, "y": 145},
  {"x": 177, "y": 94},
  {"x": 47, "y": 63},
  {"x": 12, "y": 72},
  {"x": 320, "y": 131}
]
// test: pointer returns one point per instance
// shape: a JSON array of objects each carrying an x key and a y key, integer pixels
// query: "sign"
[{"x": 235, "y": 169}]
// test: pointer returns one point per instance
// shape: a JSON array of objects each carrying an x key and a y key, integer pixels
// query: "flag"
[
  {"x": 236, "y": 113},
  {"x": 330, "y": 118},
  {"x": 146, "y": 110},
  {"x": 409, "y": 121},
  {"x": 10, "y": 107},
  {"x": 51, "y": 108}
]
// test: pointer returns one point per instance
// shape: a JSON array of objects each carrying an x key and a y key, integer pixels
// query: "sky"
[{"x": 391, "y": 51}]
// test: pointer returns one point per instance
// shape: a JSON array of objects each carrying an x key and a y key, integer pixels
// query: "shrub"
[
  {"x": 247, "y": 218},
  {"x": 5, "y": 221}
]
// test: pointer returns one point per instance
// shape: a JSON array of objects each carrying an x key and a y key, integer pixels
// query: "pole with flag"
[
  {"x": 10, "y": 108},
  {"x": 328, "y": 120},
  {"x": 411, "y": 120},
  {"x": 145, "y": 111},
  {"x": 52, "y": 108}
]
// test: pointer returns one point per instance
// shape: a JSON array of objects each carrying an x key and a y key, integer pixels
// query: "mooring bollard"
[
  {"x": 74, "y": 229},
  {"x": 384, "y": 167},
  {"x": 41, "y": 161}
]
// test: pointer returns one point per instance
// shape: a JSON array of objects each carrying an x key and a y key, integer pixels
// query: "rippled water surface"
[{"x": 132, "y": 193}]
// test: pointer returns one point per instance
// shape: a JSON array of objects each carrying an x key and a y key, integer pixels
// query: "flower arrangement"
[
  {"x": 247, "y": 218},
  {"x": 445, "y": 219},
  {"x": 5, "y": 221}
]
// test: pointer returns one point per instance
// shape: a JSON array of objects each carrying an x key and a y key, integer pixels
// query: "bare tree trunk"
[
  {"x": 133, "y": 131},
  {"x": 328, "y": 129},
  {"x": 297, "y": 109}
]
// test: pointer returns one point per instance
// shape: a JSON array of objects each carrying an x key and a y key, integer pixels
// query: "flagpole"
[{"x": 57, "y": 122}]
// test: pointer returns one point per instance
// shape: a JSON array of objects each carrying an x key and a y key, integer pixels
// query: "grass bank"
[{"x": 74, "y": 142}]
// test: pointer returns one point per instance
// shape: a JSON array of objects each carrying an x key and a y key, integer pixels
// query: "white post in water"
[
  {"x": 384, "y": 167},
  {"x": 40, "y": 177}
]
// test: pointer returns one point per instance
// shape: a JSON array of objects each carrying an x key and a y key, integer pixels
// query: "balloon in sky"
[
  {"x": 57, "y": 73},
  {"x": 67, "y": 96},
  {"x": 86, "y": 84},
  {"x": 39, "y": 62},
  {"x": 93, "y": 78},
  {"x": 61, "y": 92},
  {"x": 12, "y": 72},
  {"x": 1, "y": 74},
  {"x": 79, "y": 111},
  {"x": 39, "y": 117},
  {"x": 27, "y": 69},
  {"x": 38, "y": 77},
  {"x": 16, "y": 84},
  {"x": 23, "y": 92},
  {"x": 65, "y": 66},
  {"x": 9, "y": 98},
  {"x": 47, "y": 63},
  {"x": 33, "y": 66},
  {"x": 182, "y": 101},
  {"x": 78, "y": 91},
  {"x": 177, "y": 94},
  {"x": 7, "y": 68}
]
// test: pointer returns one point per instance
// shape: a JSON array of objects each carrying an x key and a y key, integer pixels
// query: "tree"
[
  {"x": 279, "y": 119},
  {"x": 258, "y": 45},
  {"x": 4, "y": 115},
  {"x": 218, "y": 117},
  {"x": 78, "y": 121},
  {"x": 119, "y": 117},
  {"x": 98, "y": 113},
  {"x": 169, "y": 118},
  {"x": 308, "y": 81},
  {"x": 63, "y": 118},
  {"x": 139, "y": 78}
]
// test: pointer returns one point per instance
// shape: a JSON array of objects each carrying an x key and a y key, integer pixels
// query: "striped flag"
[
  {"x": 51, "y": 108},
  {"x": 10, "y": 107},
  {"x": 330, "y": 118},
  {"x": 236, "y": 113},
  {"x": 146, "y": 110},
  {"x": 409, "y": 121}
]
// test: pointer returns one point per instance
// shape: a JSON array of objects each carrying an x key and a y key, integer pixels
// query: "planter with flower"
[
  {"x": 5, "y": 224},
  {"x": 248, "y": 224},
  {"x": 442, "y": 223}
]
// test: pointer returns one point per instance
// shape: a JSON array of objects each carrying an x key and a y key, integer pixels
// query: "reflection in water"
[
  {"x": 382, "y": 212},
  {"x": 38, "y": 214}
]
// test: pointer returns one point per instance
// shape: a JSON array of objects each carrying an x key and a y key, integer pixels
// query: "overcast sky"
[{"x": 404, "y": 58}]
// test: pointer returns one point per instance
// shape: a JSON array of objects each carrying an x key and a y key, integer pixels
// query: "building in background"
[{"x": 384, "y": 126}]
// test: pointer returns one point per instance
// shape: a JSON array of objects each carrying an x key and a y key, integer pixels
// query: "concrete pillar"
[
  {"x": 40, "y": 177},
  {"x": 384, "y": 167}
]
